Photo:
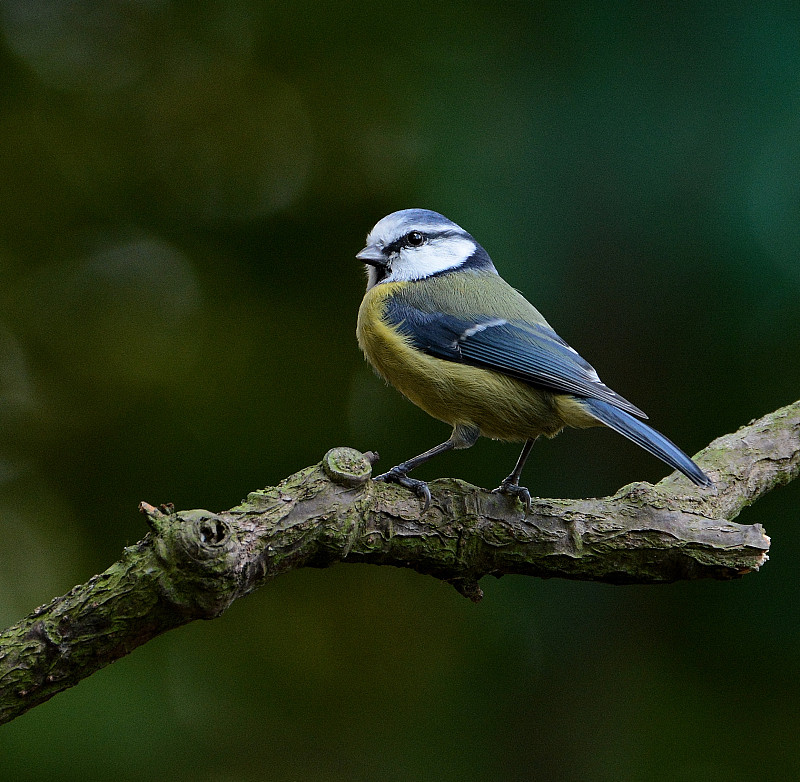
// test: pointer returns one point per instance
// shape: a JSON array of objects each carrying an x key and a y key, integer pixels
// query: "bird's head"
[{"x": 414, "y": 244}]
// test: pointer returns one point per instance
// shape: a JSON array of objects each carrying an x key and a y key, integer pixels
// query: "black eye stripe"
[{"x": 403, "y": 241}]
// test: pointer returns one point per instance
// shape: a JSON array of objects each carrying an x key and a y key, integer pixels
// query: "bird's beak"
[{"x": 372, "y": 255}]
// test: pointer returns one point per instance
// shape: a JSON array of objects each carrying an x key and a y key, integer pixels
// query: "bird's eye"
[{"x": 415, "y": 239}]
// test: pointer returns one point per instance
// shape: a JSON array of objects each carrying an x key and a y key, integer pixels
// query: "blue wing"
[
  {"x": 535, "y": 354},
  {"x": 530, "y": 352}
]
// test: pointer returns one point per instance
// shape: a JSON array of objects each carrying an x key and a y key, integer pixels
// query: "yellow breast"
[{"x": 501, "y": 407}]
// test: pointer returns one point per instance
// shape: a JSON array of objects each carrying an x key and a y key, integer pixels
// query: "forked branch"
[{"x": 194, "y": 564}]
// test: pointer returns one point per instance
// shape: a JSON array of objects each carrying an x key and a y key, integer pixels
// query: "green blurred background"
[{"x": 183, "y": 186}]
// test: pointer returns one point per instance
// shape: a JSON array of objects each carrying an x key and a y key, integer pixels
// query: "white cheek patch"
[{"x": 439, "y": 255}]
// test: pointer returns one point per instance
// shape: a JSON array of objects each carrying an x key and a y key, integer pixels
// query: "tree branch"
[{"x": 194, "y": 564}]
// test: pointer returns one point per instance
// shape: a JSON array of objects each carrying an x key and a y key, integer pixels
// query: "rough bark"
[{"x": 194, "y": 564}]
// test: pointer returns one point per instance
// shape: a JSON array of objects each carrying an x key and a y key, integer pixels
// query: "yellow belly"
[{"x": 501, "y": 407}]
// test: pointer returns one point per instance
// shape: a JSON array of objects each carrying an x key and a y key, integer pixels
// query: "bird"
[{"x": 441, "y": 325}]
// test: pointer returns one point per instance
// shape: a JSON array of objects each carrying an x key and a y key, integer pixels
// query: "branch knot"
[{"x": 199, "y": 557}]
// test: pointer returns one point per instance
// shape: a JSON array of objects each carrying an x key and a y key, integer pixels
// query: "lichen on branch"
[{"x": 194, "y": 564}]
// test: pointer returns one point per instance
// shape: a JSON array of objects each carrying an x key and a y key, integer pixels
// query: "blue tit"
[{"x": 440, "y": 324}]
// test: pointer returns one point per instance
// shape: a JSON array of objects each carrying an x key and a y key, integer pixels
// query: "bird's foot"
[
  {"x": 515, "y": 490},
  {"x": 420, "y": 488}
]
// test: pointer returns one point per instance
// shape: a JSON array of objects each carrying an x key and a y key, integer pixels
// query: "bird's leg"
[
  {"x": 464, "y": 436},
  {"x": 511, "y": 485},
  {"x": 399, "y": 474}
]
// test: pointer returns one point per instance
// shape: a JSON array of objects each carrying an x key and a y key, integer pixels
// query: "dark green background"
[{"x": 183, "y": 186}]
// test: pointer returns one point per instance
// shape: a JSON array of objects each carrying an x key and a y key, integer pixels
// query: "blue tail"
[{"x": 647, "y": 437}]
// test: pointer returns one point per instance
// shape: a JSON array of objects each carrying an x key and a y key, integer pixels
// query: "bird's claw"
[
  {"x": 420, "y": 488},
  {"x": 515, "y": 490}
]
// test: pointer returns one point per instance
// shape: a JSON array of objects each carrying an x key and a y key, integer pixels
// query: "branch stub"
[{"x": 347, "y": 466}]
